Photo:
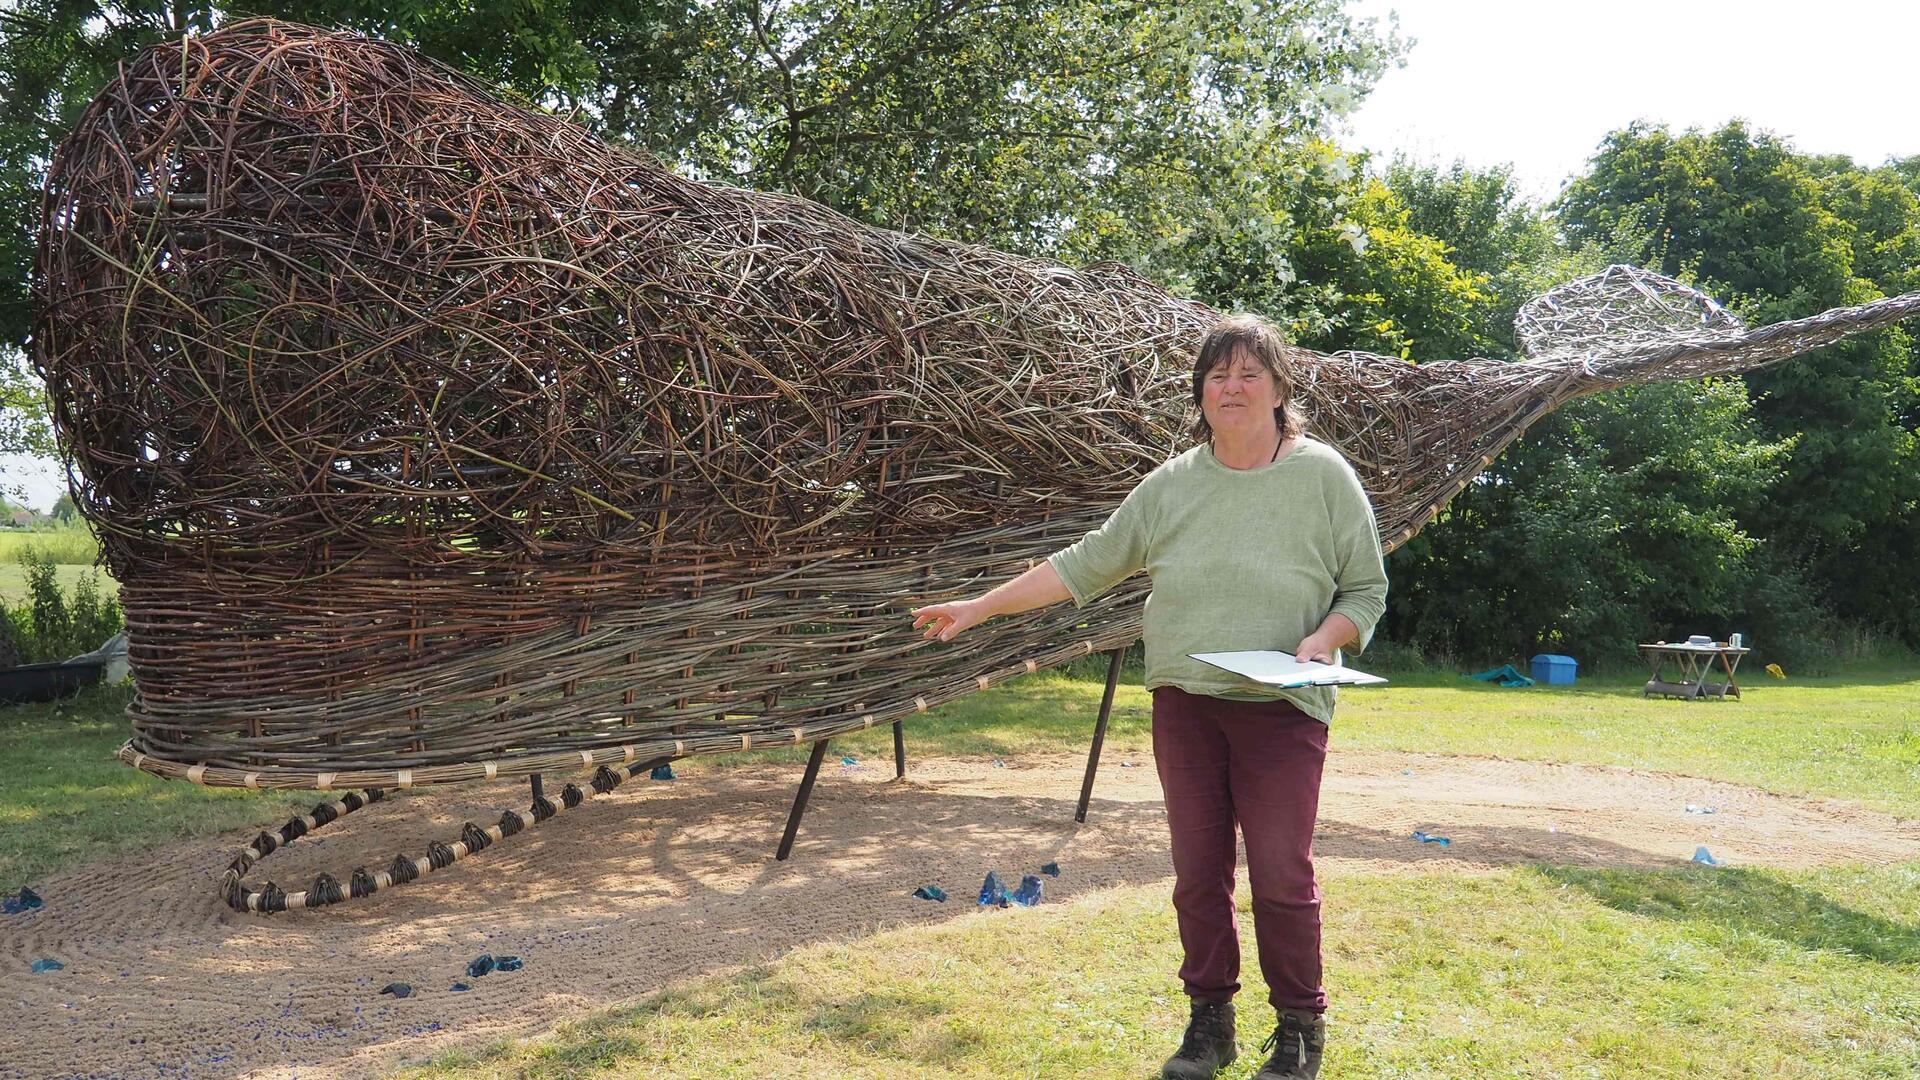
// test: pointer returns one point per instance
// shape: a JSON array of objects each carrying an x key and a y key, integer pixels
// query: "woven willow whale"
[{"x": 433, "y": 439}]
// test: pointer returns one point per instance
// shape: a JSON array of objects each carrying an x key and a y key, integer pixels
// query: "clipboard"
[{"x": 1274, "y": 668}]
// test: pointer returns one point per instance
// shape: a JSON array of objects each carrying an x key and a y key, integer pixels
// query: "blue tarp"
[{"x": 1505, "y": 675}]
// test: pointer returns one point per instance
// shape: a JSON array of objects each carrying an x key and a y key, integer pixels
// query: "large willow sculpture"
[{"x": 433, "y": 439}]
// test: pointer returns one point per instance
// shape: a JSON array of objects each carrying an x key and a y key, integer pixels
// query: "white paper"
[{"x": 1274, "y": 668}]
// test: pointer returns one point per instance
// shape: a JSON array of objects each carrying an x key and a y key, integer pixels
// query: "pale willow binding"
[{"x": 433, "y": 439}]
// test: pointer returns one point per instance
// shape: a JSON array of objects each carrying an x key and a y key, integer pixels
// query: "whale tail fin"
[
  {"x": 1627, "y": 325},
  {"x": 1622, "y": 309}
]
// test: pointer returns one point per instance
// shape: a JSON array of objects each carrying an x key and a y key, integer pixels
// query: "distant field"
[
  {"x": 73, "y": 552},
  {"x": 13, "y": 580},
  {"x": 74, "y": 545}
]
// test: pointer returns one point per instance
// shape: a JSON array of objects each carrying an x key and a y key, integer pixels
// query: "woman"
[{"x": 1258, "y": 537}]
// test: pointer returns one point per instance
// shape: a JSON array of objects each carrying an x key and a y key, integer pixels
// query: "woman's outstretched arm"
[{"x": 1037, "y": 587}]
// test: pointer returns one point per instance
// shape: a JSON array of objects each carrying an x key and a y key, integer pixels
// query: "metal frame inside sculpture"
[{"x": 433, "y": 439}]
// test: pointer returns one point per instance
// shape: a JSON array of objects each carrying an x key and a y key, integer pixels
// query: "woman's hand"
[
  {"x": 1335, "y": 632},
  {"x": 1038, "y": 587},
  {"x": 1316, "y": 646},
  {"x": 943, "y": 621}
]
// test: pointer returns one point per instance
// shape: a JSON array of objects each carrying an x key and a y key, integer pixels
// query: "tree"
[
  {"x": 1011, "y": 123},
  {"x": 1781, "y": 236},
  {"x": 1045, "y": 126},
  {"x": 23, "y": 409},
  {"x": 1614, "y": 518},
  {"x": 24, "y": 427}
]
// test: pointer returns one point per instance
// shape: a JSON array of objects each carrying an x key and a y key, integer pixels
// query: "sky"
[
  {"x": 1537, "y": 85},
  {"x": 38, "y": 479}
]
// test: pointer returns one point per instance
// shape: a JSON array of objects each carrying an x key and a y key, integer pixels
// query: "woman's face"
[{"x": 1238, "y": 396}]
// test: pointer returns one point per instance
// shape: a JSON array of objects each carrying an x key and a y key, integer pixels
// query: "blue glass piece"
[
  {"x": 1028, "y": 894},
  {"x": 992, "y": 893}
]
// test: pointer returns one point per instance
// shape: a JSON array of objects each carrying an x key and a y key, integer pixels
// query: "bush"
[{"x": 52, "y": 626}]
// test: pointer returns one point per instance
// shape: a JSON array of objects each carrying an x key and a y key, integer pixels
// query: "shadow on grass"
[
  {"x": 888, "y": 1023},
  {"x": 1744, "y": 901}
]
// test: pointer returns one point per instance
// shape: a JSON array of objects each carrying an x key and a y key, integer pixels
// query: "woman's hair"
[{"x": 1259, "y": 339}]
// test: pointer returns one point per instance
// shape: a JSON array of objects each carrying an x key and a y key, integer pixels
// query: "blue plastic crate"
[{"x": 1554, "y": 669}]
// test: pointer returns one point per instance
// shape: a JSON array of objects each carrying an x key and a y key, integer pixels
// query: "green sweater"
[{"x": 1240, "y": 559}]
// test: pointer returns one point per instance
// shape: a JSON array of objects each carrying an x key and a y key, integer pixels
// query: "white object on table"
[{"x": 1275, "y": 668}]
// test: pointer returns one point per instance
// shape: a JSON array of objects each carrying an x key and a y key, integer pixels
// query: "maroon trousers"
[{"x": 1257, "y": 763}]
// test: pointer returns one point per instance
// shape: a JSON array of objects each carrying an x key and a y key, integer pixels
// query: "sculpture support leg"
[
  {"x": 1099, "y": 734},
  {"x": 899, "y": 749},
  {"x": 800, "y": 800}
]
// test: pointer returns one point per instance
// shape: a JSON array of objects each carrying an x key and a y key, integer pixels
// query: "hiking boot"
[
  {"x": 1207, "y": 1047},
  {"x": 1294, "y": 1047}
]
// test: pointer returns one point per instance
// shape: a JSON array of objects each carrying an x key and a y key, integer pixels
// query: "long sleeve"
[
  {"x": 1109, "y": 554},
  {"x": 1360, "y": 584}
]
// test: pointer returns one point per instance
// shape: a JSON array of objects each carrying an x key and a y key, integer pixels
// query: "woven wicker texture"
[{"x": 433, "y": 439}]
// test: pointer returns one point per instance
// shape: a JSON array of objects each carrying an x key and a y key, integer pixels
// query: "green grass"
[
  {"x": 1855, "y": 735},
  {"x": 1531, "y": 972},
  {"x": 65, "y": 799}
]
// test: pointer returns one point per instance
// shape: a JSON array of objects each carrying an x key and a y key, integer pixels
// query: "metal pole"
[
  {"x": 1099, "y": 734},
  {"x": 800, "y": 800}
]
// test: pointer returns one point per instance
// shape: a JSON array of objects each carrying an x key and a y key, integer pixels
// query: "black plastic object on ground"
[{"x": 47, "y": 682}]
